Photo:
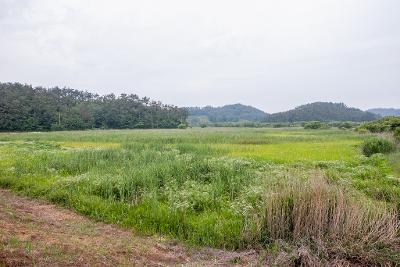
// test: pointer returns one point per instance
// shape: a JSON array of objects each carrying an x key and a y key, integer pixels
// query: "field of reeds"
[{"x": 307, "y": 195}]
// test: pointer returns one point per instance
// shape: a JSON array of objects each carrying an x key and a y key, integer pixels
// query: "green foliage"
[
  {"x": 240, "y": 124},
  {"x": 209, "y": 186},
  {"x": 322, "y": 111},
  {"x": 228, "y": 113},
  {"x": 361, "y": 130},
  {"x": 316, "y": 125},
  {"x": 281, "y": 125},
  {"x": 182, "y": 126},
  {"x": 377, "y": 145},
  {"x": 397, "y": 134},
  {"x": 344, "y": 125},
  {"x": 386, "y": 124},
  {"x": 24, "y": 108}
]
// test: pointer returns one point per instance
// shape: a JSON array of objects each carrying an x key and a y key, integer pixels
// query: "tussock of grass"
[{"x": 335, "y": 220}]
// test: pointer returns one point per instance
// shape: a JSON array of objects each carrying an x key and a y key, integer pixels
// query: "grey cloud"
[{"x": 271, "y": 54}]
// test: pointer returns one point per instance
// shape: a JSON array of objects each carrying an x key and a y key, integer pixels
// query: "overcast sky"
[{"x": 271, "y": 54}]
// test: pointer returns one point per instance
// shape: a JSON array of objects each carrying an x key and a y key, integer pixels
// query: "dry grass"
[{"x": 337, "y": 222}]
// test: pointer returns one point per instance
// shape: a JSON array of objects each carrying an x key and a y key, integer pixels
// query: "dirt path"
[{"x": 33, "y": 232}]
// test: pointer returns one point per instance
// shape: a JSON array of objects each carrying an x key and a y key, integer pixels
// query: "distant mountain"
[
  {"x": 322, "y": 111},
  {"x": 385, "y": 111},
  {"x": 228, "y": 113}
]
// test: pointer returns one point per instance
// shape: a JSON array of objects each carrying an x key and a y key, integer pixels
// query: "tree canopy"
[
  {"x": 322, "y": 111},
  {"x": 229, "y": 113},
  {"x": 27, "y": 108}
]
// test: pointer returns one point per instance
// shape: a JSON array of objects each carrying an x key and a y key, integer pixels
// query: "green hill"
[
  {"x": 228, "y": 113},
  {"x": 322, "y": 111},
  {"x": 385, "y": 111}
]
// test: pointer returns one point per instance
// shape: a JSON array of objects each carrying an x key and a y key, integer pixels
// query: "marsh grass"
[
  {"x": 339, "y": 222},
  {"x": 230, "y": 188}
]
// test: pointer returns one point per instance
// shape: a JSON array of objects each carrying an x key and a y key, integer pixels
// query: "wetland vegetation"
[{"x": 234, "y": 188}]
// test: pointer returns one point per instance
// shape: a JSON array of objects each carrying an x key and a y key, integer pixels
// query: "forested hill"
[
  {"x": 322, "y": 111},
  {"x": 228, "y": 113},
  {"x": 25, "y": 108},
  {"x": 385, "y": 111}
]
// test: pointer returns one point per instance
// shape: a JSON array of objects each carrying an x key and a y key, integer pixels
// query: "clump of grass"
[
  {"x": 377, "y": 145},
  {"x": 337, "y": 223}
]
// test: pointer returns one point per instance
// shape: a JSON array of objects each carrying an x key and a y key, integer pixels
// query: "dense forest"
[
  {"x": 318, "y": 111},
  {"x": 385, "y": 111},
  {"x": 322, "y": 111},
  {"x": 27, "y": 108},
  {"x": 228, "y": 113}
]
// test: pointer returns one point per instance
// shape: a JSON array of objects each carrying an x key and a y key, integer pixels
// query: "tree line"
[
  {"x": 27, "y": 108},
  {"x": 317, "y": 111},
  {"x": 228, "y": 113},
  {"x": 322, "y": 111}
]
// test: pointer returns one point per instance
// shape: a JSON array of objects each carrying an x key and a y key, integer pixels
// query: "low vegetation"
[
  {"x": 221, "y": 187},
  {"x": 397, "y": 134},
  {"x": 377, "y": 145},
  {"x": 338, "y": 222},
  {"x": 316, "y": 125},
  {"x": 386, "y": 124}
]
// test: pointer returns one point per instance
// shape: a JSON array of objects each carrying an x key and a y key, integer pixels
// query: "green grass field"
[{"x": 202, "y": 186}]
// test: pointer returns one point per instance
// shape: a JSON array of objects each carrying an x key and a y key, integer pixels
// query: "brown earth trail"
[{"x": 33, "y": 232}]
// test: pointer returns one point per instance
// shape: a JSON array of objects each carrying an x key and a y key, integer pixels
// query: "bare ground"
[{"x": 35, "y": 233}]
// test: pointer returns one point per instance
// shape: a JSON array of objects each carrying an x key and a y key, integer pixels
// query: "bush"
[
  {"x": 182, "y": 126},
  {"x": 280, "y": 125},
  {"x": 397, "y": 134},
  {"x": 315, "y": 125},
  {"x": 377, "y": 145},
  {"x": 361, "y": 130},
  {"x": 203, "y": 125},
  {"x": 345, "y": 125},
  {"x": 385, "y": 124}
]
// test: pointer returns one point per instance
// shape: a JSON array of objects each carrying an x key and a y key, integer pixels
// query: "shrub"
[
  {"x": 203, "y": 125},
  {"x": 315, "y": 125},
  {"x": 377, "y": 145},
  {"x": 382, "y": 125},
  {"x": 397, "y": 134},
  {"x": 361, "y": 130},
  {"x": 182, "y": 126},
  {"x": 345, "y": 125}
]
